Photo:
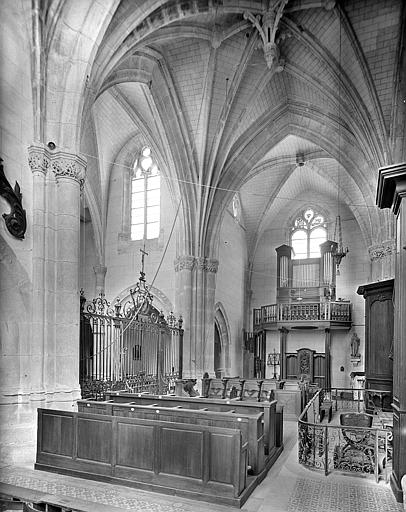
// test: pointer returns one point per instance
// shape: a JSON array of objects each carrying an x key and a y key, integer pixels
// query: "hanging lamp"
[{"x": 339, "y": 252}]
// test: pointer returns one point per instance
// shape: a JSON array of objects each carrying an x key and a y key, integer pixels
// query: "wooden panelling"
[
  {"x": 290, "y": 400},
  {"x": 57, "y": 434},
  {"x": 94, "y": 439},
  {"x": 379, "y": 365},
  {"x": 135, "y": 445},
  {"x": 319, "y": 370},
  {"x": 201, "y": 461},
  {"x": 195, "y": 403},
  {"x": 221, "y": 448},
  {"x": 250, "y": 425},
  {"x": 379, "y": 322},
  {"x": 182, "y": 461},
  {"x": 291, "y": 366}
]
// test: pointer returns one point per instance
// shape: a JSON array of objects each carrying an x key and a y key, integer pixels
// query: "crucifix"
[{"x": 144, "y": 253}]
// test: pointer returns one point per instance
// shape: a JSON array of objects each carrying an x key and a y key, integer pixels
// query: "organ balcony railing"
[{"x": 337, "y": 312}]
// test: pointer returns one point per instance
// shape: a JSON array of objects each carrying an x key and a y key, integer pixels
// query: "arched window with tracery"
[
  {"x": 307, "y": 233},
  {"x": 145, "y": 197}
]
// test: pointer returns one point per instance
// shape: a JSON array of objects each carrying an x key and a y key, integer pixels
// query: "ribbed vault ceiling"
[{"x": 192, "y": 77}]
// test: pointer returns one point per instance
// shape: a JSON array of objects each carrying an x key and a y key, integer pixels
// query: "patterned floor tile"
[
  {"x": 316, "y": 496},
  {"x": 104, "y": 496}
]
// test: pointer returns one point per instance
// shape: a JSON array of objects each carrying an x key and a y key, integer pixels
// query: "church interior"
[{"x": 203, "y": 255}]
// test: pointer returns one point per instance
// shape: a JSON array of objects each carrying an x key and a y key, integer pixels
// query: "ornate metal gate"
[{"x": 128, "y": 346}]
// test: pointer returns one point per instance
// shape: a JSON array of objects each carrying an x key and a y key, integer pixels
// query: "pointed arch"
[{"x": 223, "y": 329}]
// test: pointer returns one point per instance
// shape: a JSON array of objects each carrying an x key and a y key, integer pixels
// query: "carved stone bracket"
[{"x": 16, "y": 221}]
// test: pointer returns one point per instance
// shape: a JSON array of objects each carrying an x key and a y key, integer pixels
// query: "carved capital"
[
  {"x": 70, "y": 166},
  {"x": 62, "y": 163},
  {"x": 207, "y": 265},
  {"x": 380, "y": 251},
  {"x": 184, "y": 263},
  {"x": 212, "y": 265},
  {"x": 190, "y": 262},
  {"x": 38, "y": 159}
]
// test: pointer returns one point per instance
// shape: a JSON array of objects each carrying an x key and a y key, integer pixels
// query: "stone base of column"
[
  {"x": 18, "y": 422},
  {"x": 48, "y": 399}
]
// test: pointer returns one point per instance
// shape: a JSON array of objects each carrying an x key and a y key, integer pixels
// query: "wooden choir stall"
[
  {"x": 139, "y": 439},
  {"x": 129, "y": 429}
]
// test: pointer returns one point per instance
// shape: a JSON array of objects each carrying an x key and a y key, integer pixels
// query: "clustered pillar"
[
  {"x": 196, "y": 284},
  {"x": 58, "y": 177}
]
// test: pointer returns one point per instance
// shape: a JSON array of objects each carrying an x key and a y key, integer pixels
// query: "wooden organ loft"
[{"x": 305, "y": 301}]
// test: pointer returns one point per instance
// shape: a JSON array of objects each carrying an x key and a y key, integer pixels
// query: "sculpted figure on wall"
[{"x": 355, "y": 342}]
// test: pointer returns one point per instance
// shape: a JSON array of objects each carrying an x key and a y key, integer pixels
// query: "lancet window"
[{"x": 145, "y": 197}]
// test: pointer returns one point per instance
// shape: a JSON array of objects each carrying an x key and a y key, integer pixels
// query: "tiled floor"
[{"x": 288, "y": 487}]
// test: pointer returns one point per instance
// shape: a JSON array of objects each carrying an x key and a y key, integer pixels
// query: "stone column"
[
  {"x": 210, "y": 268},
  {"x": 69, "y": 171},
  {"x": 184, "y": 271},
  {"x": 199, "y": 338},
  {"x": 39, "y": 163},
  {"x": 391, "y": 193},
  {"x": 100, "y": 272},
  {"x": 196, "y": 293},
  {"x": 382, "y": 258}
]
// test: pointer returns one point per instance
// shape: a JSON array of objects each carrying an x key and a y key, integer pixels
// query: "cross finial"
[{"x": 144, "y": 253}]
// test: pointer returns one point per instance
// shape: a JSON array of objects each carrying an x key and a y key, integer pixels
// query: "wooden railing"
[{"x": 303, "y": 311}]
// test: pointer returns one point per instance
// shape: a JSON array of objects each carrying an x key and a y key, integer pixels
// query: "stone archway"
[{"x": 221, "y": 342}]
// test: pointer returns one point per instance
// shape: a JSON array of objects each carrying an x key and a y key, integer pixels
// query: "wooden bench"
[
  {"x": 148, "y": 454},
  {"x": 251, "y": 390},
  {"x": 257, "y": 390},
  {"x": 216, "y": 388},
  {"x": 268, "y": 408},
  {"x": 250, "y": 425},
  {"x": 233, "y": 388}
]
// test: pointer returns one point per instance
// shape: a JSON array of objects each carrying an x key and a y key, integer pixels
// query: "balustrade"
[
  {"x": 346, "y": 447},
  {"x": 303, "y": 311}
]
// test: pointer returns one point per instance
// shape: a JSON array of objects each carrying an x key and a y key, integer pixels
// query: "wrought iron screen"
[{"x": 128, "y": 347}]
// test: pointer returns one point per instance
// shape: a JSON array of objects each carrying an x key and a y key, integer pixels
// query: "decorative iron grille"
[{"x": 130, "y": 346}]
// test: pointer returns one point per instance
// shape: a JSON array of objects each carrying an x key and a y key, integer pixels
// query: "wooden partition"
[
  {"x": 288, "y": 396},
  {"x": 146, "y": 453},
  {"x": 250, "y": 425},
  {"x": 220, "y": 405}
]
